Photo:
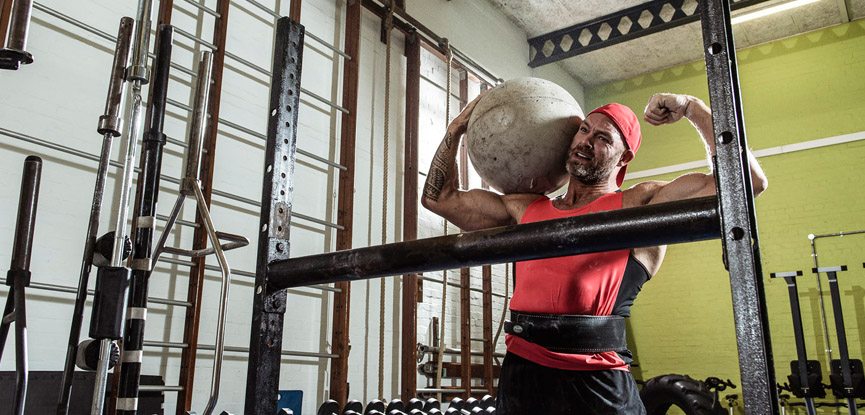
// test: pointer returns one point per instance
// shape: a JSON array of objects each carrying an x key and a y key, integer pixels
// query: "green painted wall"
[{"x": 799, "y": 89}]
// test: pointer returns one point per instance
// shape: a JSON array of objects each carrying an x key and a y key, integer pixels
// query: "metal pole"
[
  {"x": 100, "y": 387},
  {"x": 235, "y": 349},
  {"x": 138, "y": 70},
  {"x": 68, "y": 289},
  {"x": 736, "y": 205},
  {"x": 825, "y": 321},
  {"x": 403, "y": 21},
  {"x": 18, "y": 277},
  {"x": 192, "y": 186},
  {"x": 138, "y": 74},
  {"x": 661, "y": 224},
  {"x": 169, "y": 179},
  {"x": 223, "y": 303},
  {"x": 14, "y": 52},
  {"x": 144, "y": 224},
  {"x": 110, "y": 125},
  {"x": 276, "y": 15},
  {"x": 197, "y": 124},
  {"x": 269, "y": 306}
]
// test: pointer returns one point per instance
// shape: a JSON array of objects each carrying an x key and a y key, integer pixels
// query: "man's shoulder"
[
  {"x": 517, "y": 203},
  {"x": 522, "y": 198},
  {"x": 641, "y": 193}
]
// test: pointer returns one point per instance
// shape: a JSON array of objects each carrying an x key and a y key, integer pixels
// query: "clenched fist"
[{"x": 667, "y": 108}]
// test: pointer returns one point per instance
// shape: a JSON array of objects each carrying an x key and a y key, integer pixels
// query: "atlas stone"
[{"x": 519, "y": 133}]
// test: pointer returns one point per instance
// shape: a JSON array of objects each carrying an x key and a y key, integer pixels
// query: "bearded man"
[{"x": 566, "y": 349}]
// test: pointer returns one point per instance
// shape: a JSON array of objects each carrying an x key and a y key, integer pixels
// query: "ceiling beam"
[
  {"x": 618, "y": 27},
  {"x": 844, "y": 10}
]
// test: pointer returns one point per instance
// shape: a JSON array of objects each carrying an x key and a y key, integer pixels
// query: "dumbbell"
[
  {"x": 395, "y": 404},
  {"x": 415, "y": 403},
  {"x": 352, "y": 407},
  {"x": 456, "y": 403},
  {"x": 471, "y": 403},
  {"x": 431, "y": 404},
  {"x": 374, "y": 407},
  {"x": 488, "y": 401},
  {"x": 328, "y": 407}
]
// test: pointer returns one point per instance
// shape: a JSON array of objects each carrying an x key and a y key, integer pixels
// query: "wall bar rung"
[
  {"x": 203, "y": 8},
  {"x": 73, "y": 290},
  {"x": 313, "y": 37},
  {"x": 235, "y": 349}
]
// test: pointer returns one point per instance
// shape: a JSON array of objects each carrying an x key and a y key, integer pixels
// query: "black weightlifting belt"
[{"x": 570, "y": 333}]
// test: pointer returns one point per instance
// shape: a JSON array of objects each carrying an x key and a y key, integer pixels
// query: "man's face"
[{"x": 596, "y": 150}]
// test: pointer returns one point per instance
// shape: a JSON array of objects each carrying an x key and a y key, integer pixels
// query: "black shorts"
[{"x": 527, "y": 388}]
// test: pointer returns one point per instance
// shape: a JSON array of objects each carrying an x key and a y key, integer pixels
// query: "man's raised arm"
[
  {"x": 669, "y": 108},
  {"x": 469, "y": 209}
]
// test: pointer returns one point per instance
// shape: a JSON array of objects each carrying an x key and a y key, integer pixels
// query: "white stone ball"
[{"x": 519, "y": 133}]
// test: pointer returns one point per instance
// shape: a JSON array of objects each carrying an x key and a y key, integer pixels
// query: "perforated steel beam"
[
  {"x": 738, "y": 214},
  {"x": 618, "y": 27},
  {"x": 265, "y": 346}
]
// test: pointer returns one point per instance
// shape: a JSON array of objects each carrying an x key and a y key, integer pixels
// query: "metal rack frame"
[{"x": 731, "y": 216}]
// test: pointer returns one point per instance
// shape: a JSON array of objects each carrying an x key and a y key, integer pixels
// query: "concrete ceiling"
[{"x": 667, "y": 48}]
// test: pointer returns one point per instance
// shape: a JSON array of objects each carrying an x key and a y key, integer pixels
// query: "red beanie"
[{"x": 629, "y": 126}]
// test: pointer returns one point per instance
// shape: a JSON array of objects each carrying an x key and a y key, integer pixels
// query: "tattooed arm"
[{"x": 469, "y": 209}]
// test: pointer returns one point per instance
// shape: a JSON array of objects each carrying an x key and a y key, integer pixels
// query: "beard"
[{"x": 590, "y": 172}]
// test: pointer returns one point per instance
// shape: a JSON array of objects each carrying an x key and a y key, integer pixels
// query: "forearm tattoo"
[{"x": 440, "y": 169}]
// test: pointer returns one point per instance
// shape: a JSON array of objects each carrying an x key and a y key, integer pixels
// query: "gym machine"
[
  {"x": 14, "y": 27},
  {"x": 845, "y": 375},
  {"x": 805, "y": 380},
  {"x": 18, "y": 277},
  {"x": 806, "y": 376}
]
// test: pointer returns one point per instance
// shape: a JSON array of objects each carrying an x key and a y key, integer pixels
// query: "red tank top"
[{"x": 579, "y": 284}]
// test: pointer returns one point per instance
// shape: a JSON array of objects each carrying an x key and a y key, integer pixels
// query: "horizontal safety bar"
[{"x": 661, "y": 224}]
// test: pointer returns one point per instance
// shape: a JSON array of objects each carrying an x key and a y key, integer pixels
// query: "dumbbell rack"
[{"x": 414, "y": 406}]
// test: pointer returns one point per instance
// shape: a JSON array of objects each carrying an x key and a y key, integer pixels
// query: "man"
[{"x": 552, "y": 365}]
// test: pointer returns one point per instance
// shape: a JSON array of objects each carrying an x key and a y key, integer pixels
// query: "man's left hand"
[{"x": 666, "y": 108}]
